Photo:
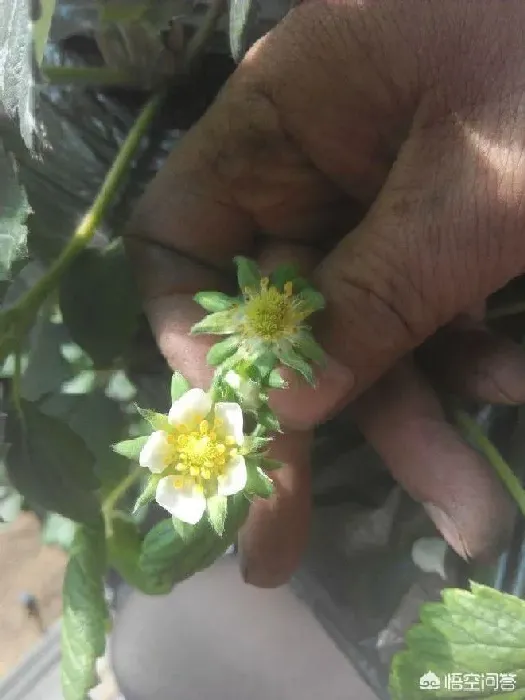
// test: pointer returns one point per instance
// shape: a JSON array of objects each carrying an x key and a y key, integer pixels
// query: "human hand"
[{"x": 377, "y": 145}]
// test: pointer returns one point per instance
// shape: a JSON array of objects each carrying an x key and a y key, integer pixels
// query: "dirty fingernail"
[{"x": 448, "y": 528}]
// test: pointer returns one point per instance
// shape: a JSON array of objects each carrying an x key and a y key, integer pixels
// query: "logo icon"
[{"x": 429, "y": 681}]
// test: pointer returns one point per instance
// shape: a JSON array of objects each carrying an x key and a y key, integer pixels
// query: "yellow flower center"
[
  {"x": 270, "y": 314},
  {"x": 198, "y": 457}
]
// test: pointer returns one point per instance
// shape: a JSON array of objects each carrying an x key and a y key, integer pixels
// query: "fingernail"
[{"x": 448, "y": 528}]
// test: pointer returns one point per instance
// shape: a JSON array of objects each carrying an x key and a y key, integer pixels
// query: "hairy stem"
[{"x": 474, "y": 432}]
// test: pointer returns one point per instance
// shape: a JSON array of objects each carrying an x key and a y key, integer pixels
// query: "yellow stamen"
[
  {"x": 270, "y": 314},
  {"x": 288, "y": 289}
]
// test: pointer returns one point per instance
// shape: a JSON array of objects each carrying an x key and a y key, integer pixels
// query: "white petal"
[
  {"x": 185, "y": 504},
  {"x": 155, "y": 452},
  {"x": 231, "y": 415},
  {"x": 193, "y": 406},
  {"x": 235, "y": 478}
]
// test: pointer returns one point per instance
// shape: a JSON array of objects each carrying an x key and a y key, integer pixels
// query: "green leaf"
[
  {"x": 221, "y": 351},
  {"x": 83, "y": 383},
  {"x": 214, "y": 301},
  {"x": 110, "y": 468},
  {"x": 130, "y": 449},
  {"x": 265, "y": 363},
  {"x": 275, "y": 381},
  {"x": 220, "y": 323},
  {"x": 58, "y": 531},
  {"x": 41, "y": 27},
  {"x": 269, "y": 420},
  {"x": 248, "y": 274},
  {"x": 158, "y": 421},
  {"x": 50, "y": 465},
  {"x": 84, "y": 612},
  {"x": 147, "y": 496},
  {"x": 270, "y": 465},
  {"x": 477, "y": 632},
  {"x": 100, "y": 303},
  {"x": 283, "y": 274},
  {"x": 312, "y": 300},
  {"x": 244, "y": 15},
  {"x": 14, "y": 210},
  {"x": 290, "y": 358},
  {"x": 217, "y": 508},
  {"x": 310, "y": 348},
  {"x": 258, "y": 483},
  {"x": 179, "y": 386},
  {"x": 120, "y": 388},
  {"x": 165, "y": 552},
  {"x": 124, "y": 547}
]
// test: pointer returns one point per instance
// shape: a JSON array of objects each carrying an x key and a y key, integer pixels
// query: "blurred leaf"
[
  {"x": 41, "y": 27},
  {"x": 83, "y": 383},
  {"x": 110, "y": 469},
  {"x": 243, "y": 23},
  {"x": 477, "y": 632},
  {"x": 148, "y": 493},
  {"x": 84, "y": 612},
  {"x": 99, "y": 302},
  {"x": 258, "y": 483},
  {"x": 120, "y": 388},
  {"x": 10, "y": 504},
  {"x": 14, "y": 207},
  {"x": 46, "y": 368},
  {"x": 58, "y": 531},
  {"x": 124, "y": 548},
  {"x": 166, "y": 554},
  {"x": 179, "y": 386},
  {"x": 50, "y": 465}
]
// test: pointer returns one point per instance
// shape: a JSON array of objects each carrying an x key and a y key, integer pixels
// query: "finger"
[
  {"x": 403, "y": 420},
  {"x": 475, "y": 363},
  {"x": 274, "y": 537},
  {"x": 428, "y": 249}
]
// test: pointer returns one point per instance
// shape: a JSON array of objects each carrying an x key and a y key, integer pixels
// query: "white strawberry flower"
[{"x": 199, "y": 456}]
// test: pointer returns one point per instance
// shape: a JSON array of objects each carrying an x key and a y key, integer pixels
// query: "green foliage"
[
  {"x": 179, "y": 386},
  {"x": 476, "y": 632},
  {"x": 99, "y": 303},
  {"x": 41, "y": 27},
  {"x": 14, "y": 210},
  {"x": 84, "y": 613},
  {"x": 176, "y": 554}
]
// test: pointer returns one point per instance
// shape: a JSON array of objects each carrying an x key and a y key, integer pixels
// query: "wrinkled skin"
[{"x": 380, "y": 146}]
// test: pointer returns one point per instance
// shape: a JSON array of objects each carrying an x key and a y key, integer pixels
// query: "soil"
[{"x": 26, "y": 566}]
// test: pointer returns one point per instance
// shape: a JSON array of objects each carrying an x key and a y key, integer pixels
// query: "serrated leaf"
[
  {"x": 148, "y": 494},
  {"x": 214, "y": 301},
  {"x": 312, "y": 299},
  {"x": 130, "y": 449},
  {"x": 50, "y": 465},
  {"x": 124, "y": 547},
  {"x": 221, "y": 351},
  {"x": 291, "y": 359},
  {"x": 100, "y": 303},
  {"x": 219, "y": 323},
  {"x": 217, "y": 508},
  {"x": 41, "y": 27},
  {"x": 248, "y": 274},
  {"x": 476, "y": 632},
  {"x": 58, "y": 531},
  {"x": 14, "y": 207},
  {"x": 166, "y": 553},
  {"x": 84, "y": 612},
  {"x": 179, "y": 386},
  {"x": 158, "y": 421}
]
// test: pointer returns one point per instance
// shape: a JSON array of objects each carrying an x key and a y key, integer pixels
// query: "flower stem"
[
  {"x": 85, "y": 75},
  {"x": 85, "y": 231},
  {"x": 120, "y": 489},
  {"x": 474, "y": 432}
]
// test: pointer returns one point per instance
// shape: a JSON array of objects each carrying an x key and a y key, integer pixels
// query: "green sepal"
[
  {"x": 255, "y": 443},
  {"x": 217, "y": 509},
  {"x": 269, "y": 420},
  {"x": 264, "y": 364},
  {"x": 275, "y": 381},
  {"x": 311, "y": 299},
  {"x": 291, "y": 359},
  {"x": 130, "y": 449},
  {"x": 270, "y": 465},
  {"x": 283, "y": 274},
  {"x": 222, "y": 351},
  {"x": 258, "y": 483},
  {"x": 310, "y": 348},
  {"x": 214, "y": 301},
  {"x": 179, "y": 386},
  {"x": 148, "y": 495},
  {"x": 219, "y": 323},
  {"x": 158, "y": 421},
  {"x": 248, "y": 274}
]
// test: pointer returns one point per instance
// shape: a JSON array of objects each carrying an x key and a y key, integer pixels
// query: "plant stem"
[
  {"x": 100, "y": 76},
  {"x": 473, "y": 431},
  {"x": 85, "y": 231},
  {"x": 509, "y": 310},
  {"x": 120, "y": 489}
]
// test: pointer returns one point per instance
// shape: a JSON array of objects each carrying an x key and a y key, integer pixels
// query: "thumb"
[{"x": 431, "y": 246}]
